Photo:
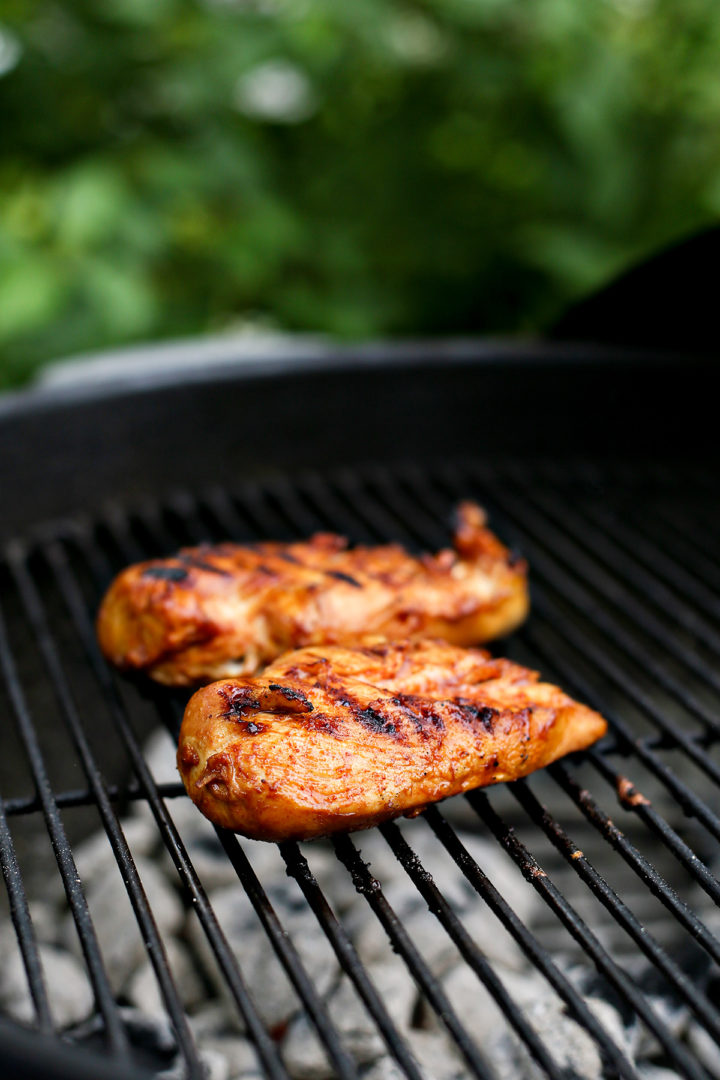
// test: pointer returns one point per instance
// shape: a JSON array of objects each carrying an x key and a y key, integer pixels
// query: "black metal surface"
[
  {"x": 63, "y": 450},
  {"x": 621, "y": 617}
]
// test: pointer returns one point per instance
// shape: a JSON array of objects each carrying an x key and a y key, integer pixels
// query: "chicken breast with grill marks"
[
  {"x": 332, "y": 739},
  {"x": 223, "y": 610}
]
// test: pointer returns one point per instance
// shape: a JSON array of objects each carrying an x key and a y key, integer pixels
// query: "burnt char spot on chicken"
[
  {"x": 481, "y": 714},
  {"x": 238, "y": 700},
  {"x": 241, "y": 700},
  {"x": 370, "y": 717},
  {"x": 165, "y": 573},
  {"x": 420, "y": 712},
  {"x": 326, "y": 723},
  {"x": 293, "y": 695}
]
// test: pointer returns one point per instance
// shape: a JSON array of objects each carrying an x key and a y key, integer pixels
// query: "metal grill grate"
[{"x": 626, "y": 599}]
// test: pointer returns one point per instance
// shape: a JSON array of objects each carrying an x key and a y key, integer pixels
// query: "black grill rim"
[{"x": 67, "y": 448}]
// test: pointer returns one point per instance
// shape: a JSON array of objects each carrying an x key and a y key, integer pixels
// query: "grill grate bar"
[
  {"x": 647, "y": 873},
  {"x": 691, "y": 549},
  {"x": 404, "y": 507},
  {"x": 131, "y": 878},
  {"x": 687, "y": 799},
  {"x": 527, "y": 941},
  {"x": 549, "y": 568},
  {"x": 288, "y": 956},
  {"x": 607, "y": 549},
  {"x": 115, "y": 1033},
  {"x": 548, "y": 571},
  {"x": 319, "y": 494},
  {"x": 279, "y": 939},
  {"x": 578, "y": 637},
  {"x": 555, "y": 899},
  {"x": 657, "y": 824},
  {"x": 443, "y": 910},
  {"x": 639, "y": 561},
  {"x": 30, "y": 804},
  {"x": 612, "y": 902},
  {"x": 22, "y": 921},
  {"x": 350, "y": 962},
  {"x": 155, "y": 794},
  {"x": 682, "y": 572},
  {"x": 370, "y": 888},
  {"x": 572, "y": 678}
]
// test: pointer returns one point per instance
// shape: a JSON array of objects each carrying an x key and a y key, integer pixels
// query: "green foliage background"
[{"x": 459, "y": 165}]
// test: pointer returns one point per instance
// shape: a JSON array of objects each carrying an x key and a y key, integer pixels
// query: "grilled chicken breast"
[
  {"x": 217, "y": 611},
  {"x": 332, "y": 739}
]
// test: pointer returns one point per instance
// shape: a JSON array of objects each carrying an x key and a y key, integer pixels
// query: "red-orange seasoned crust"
[
  {"x": 223, "y": 610},
  {"x": 332, "y": 739}
]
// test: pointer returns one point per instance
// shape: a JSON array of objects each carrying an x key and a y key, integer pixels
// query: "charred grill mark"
[
  {"x": 241, "y": 700},
  {"x": 369, "y": 716},
  {"x": 295, "y": 696},
  {"x": 325, "y": 723},
  {"x": 238, "y": 700},
  {"x": 480, "y": 714},
  {"x": 338, "y": 574},
  {"x": 165, "y": 573},
  {"x": 201, "y": 564},
  {"x": 420, "y": 712},
  {"x": 375, "y": 721}
]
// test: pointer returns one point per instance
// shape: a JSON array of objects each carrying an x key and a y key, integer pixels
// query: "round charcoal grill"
[{"x": 600, "y": 468}]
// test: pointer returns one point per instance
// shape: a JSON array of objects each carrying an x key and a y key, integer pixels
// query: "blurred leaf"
[
  {"x": 121, "y": 298},
  {"x": 31, "y": 293},
  {"x": 90, "y": 205}
]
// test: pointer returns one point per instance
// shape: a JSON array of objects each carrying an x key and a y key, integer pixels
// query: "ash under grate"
[{"x": 545, "y": 941}]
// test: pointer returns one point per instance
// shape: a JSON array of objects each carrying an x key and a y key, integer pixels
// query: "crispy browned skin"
[
  {"x": 229, "y": 609},
  {"x": 331, "y": 739}
]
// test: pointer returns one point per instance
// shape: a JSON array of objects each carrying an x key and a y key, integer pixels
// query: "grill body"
[{"x": 599, "y": 467}]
